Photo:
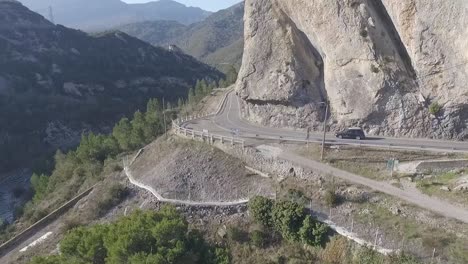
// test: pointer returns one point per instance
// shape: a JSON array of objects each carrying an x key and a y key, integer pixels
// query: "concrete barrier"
[{"x": 30, "y": 231}]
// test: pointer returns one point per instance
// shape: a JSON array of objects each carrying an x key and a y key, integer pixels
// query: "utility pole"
[{"x": 324, "y": 130}]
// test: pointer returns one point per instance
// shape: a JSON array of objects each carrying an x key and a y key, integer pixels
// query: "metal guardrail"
[{"x": 205, "y": 135}]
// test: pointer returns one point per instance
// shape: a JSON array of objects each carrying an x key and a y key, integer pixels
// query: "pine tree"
[
  {"x": 121, "y": 133},
  {"x": 204, "y": 87},
  {"x": 137, "y": 137},
  {"x": 191, "y": 96}
]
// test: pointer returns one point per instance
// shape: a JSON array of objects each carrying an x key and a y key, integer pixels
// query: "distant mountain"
[
  {"x": 96, "y": 15},
  {"x": 217, "y": 40},
  {"x": 56, "y": 83}
]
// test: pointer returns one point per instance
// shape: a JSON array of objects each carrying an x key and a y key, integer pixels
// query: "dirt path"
[{"x": 441, "y": 207}]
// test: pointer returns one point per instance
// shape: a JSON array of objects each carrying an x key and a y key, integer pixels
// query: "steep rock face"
[
  {"x": 359, "y": 55},
  {"x": 435, "y": 34}
]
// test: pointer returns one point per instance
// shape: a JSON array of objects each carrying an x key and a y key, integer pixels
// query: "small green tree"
[
  {"x": 287, "y": 218},
  {"x": 122, "y": 132},
  {"x": 39, "y": 185},
  {"x": 260, "y": 209},
  {"x": 137, "y": 137},
  {"x": 331, "y": 198},
  {"x": 312, "y": 232}
]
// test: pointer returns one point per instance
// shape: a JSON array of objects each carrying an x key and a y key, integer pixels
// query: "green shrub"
[
  {"x": 435, "y": 108},
  {"x": 142, "y": 237},
  {"x": 331, "y": 199},
  {"x": 260, "y": 209},
  {"x": 312, "y": 232},
  {"x": 287, "y": 218},
  {"x": 258, "y": 238}
]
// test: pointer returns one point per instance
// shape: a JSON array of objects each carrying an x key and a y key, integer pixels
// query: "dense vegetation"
[
  {"x": 292, "y": 222},
  {"x": 97, "y": 154},
  {"x": 143, "y": 237},
  {"x": 289, "y": 219},
  {"x": 56, "y": 83}
]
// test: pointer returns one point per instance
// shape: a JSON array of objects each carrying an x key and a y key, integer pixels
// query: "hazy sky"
[{"x": 210, "y": 5}]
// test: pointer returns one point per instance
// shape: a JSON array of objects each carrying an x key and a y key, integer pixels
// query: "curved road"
[{"x": 229, "y": 119}]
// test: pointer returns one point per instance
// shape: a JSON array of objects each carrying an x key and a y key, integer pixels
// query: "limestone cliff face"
[{"x": 380, "y": 64}]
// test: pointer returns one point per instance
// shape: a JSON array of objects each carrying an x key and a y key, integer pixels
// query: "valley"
[{"x": 267, "y": 132}]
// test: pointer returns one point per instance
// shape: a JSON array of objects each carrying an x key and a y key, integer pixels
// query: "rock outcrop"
[{"x": 379, "y": 63}]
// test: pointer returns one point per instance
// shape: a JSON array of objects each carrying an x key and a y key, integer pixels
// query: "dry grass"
[{"x": 367, "y": 162}]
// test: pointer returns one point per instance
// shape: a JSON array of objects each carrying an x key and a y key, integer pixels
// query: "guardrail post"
[
  {"x": 222, "y": 140},
  {"x": 232, "y": 141},
  {"x": 211, "y": 139},
  {"x": 193, "y": 134},
  {"x": 243, "y": 144},
  {"x": 185, "y": 132}
]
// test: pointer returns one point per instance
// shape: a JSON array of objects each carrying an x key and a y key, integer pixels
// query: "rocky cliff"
[{"x": 393, "y": 67}]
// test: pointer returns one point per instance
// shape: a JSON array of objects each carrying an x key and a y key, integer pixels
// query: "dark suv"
[{"x": 353, "y": 133}]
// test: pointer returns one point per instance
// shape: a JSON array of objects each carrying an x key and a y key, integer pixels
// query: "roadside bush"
[
  {"x": 142, "y": 237},
  {"x": 258, "y": 238},
  {"x": 435, "y": 108},
  {"x": 287, "y": 218},
  {"x": 312, "y": 232},
  {"x": 367, "y": 255},
  {"x": 331, "y": 198},
  {"x": 260, "y": 209}
]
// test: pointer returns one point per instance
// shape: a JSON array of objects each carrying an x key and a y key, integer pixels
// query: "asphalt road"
[
  {"x": 229, "y": 123},
  {"x": 229, "y": 120}
]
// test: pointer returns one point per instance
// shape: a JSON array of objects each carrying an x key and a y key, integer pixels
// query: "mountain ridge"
[
  {"x": 216, "y": 40},
  {"x": 56, "y": 82},
  {"x": 107, "y": 14}
]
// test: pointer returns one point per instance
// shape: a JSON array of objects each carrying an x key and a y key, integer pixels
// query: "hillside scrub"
[
  {"x": 85, "y": 166},
  {"x": 142, "y": 237},
  {"x": 289, "y": 219}
]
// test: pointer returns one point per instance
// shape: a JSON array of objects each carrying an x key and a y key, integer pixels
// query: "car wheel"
[{"x": 358, "y": 138}]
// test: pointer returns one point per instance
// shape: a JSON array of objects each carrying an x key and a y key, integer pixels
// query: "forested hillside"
[
  {"x": 217, "y": 40},
  {"x": 56, "y": 83}
]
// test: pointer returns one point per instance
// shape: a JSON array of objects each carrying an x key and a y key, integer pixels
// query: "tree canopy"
[{"x": 143, "y": 237}]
